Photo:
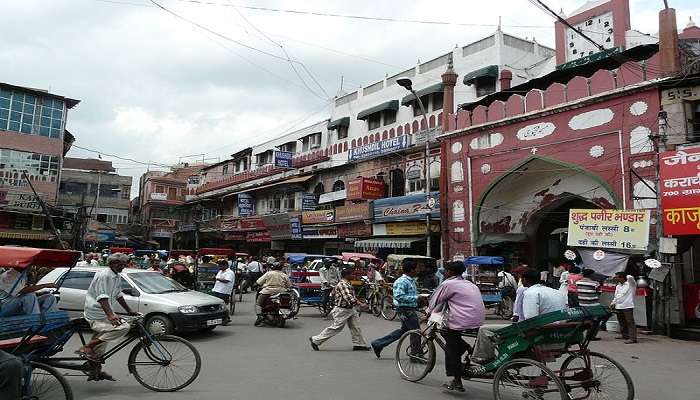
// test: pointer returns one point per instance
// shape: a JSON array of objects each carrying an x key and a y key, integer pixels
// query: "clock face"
[{"x": 599, "y": 28}]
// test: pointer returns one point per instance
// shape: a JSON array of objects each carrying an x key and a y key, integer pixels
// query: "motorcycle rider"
[{"x": 272, "y": 282}]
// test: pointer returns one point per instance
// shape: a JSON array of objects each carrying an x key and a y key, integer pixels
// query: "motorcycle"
[{"x": 278, "y": 308}]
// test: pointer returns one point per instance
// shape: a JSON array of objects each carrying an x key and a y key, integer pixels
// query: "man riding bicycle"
[{"x": 103, "y": 293}]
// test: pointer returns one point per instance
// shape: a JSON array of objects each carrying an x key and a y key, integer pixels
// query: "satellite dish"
[{"x": 652, "y": 263}]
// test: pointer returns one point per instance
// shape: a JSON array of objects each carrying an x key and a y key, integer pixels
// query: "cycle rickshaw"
[
  {"x": 529, "y": 363},
  {"x": 161, "y": 363}
]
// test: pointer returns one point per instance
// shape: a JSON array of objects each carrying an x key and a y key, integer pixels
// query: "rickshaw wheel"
[
  {"x": 596, "y": 376},
  {"x": 47, "y": 383},
  {"x": 165, "y": 364},
  {"x": 523, "y": 378},
  {"x": 415, "y": 363},
  {"x": 387, "y": 308}
]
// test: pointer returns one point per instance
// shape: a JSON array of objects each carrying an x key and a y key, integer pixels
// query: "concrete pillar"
[{"x": 669, "y": 55}]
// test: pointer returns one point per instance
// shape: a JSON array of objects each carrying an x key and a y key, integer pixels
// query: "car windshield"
[{"x": 155, "y": 283}]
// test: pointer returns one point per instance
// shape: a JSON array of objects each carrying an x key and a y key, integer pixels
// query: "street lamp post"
[{"x": 407, "y": 84}]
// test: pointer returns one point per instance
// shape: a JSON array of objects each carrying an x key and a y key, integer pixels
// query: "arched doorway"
[{"x": 523, "y": 213}]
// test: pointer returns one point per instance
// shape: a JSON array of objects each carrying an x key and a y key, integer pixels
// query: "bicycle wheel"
[
  {"x": 164, "y": 364},
  {"x": 46, "y": 383},
  {"x": 415, "y": 355},
  {"x": 523, "y": 378},
  {"x": 596, "y": 376},
  {"x": 387, "y": 308}
]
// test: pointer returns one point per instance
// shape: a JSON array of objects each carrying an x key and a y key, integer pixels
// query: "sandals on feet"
[
  {"x": 87, "y": 355},
  {"x": 452, "y": 387},
  {"x": 102, "y": 376}
]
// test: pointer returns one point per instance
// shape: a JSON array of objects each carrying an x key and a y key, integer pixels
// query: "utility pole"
[
  {"x": 46, "y": 212},
  {"x": 660, "y": 296}
]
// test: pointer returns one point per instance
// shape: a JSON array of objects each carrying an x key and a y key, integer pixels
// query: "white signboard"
[
  {"x": 159, "y": 196},
  {"x": 536, "y": 131},
  {"x": 21, "y": 201}
]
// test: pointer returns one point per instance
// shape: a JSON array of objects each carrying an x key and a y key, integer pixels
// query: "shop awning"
[
  {"x": 298, "y": 179},
  {"x": 436, "y": 88},
  {"x": 487, "y": 72},
  {"x": 496, "y": 238},
  {"x": 345, "y": 121},
  {"x": 332, "y": 196},
  {"x": 387, "y": 243},
  {"x": 392, "y": 105},
  {"x": 26, "y": 235}
]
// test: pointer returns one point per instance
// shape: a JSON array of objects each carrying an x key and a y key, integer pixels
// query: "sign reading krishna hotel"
[
  {"x": 609, "y": 229},
  {"x": 680, "y": 191}
]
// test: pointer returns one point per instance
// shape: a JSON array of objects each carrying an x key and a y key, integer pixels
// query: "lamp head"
[{"x": 405, "y": 83}]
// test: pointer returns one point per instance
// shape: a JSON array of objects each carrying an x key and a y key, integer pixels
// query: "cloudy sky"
[{"x": 156, "y": 88}]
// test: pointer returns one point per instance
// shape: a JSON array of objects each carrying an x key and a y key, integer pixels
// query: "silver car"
[{"x": 166, "y": 305}]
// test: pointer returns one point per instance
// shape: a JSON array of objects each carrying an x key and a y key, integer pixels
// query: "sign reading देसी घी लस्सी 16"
[{"x": 377, "y": 149}]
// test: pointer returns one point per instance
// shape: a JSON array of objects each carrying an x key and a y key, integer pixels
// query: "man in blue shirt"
[{"x": 406, "y": 301}]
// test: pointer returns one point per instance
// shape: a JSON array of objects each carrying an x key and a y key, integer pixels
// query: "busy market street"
[
  {"x": 242, "y": 362},
  {"x": 319, "y": 200}
]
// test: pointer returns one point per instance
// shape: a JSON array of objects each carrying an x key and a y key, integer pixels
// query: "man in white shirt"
[
  {"x": 623, "y": 303},
  {"x": 537, "y": 299},
  {"x": 223, "y": 287},
  {"x": 254, "y": 271},
  {"x": 100, "y": 300}
]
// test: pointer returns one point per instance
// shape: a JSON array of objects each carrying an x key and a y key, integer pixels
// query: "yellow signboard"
[
  {"x": 410, "y": 228},
  {"x": 609, "y": 229}
]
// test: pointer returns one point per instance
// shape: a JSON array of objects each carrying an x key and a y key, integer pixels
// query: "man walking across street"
[
  {"x": 623, "y": 303},
  {"x": 223, "y": 287},
  {"x": 406, "y": 302},
  {"x": 343, "y": 313}
]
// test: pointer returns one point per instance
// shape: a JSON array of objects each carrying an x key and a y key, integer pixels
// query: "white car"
[{"x": 167, "y": 306}]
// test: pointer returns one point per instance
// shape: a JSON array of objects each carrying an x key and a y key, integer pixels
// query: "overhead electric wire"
[{"x": 120, "y": 157}]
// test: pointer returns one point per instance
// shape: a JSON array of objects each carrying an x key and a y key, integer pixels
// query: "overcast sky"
[{"x": 155, "y": 88}]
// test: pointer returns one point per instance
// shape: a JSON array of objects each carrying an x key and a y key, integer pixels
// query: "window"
[
  {"x": 311, "y": 142},
  {"x": 160, "y": 189},
  {"x": 264, "y": 158},
  {"x": 111, "y": 191},
  {"x": 389, "y": 117},
  {"x": 224, "y": 170},
  {"x": 416, "y": 183},
  {"x": 342, "y": 132},
  {"x": 437, "y": 101},
  {"x": 126, "y": 192},
  {"x": 485, "y": 86},
  {"x": 39, "y": 167},
  {"x": 338, "y": 185},
  {"x": 172, "y": 193},
  {"x": 289, "y": 146},
  {"x": 26, "y": 113},
  {"x": 374, "y": 121},
  {"x": 73, "y": 188},
  {"x": 101, "y": 217},
  {"x": 241, "y": 165},
  {"x": 694, "y": 122},
  {"x": 80, "y": 280},
  {"x": 426, "y": 103},
  {"x": 193, "y": 180},
  {"x": 290, "y": 202},
  {"x": 435, "y": 175}
]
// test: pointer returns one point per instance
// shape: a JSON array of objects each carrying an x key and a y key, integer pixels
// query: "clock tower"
[{"x": 604, "y": 21}]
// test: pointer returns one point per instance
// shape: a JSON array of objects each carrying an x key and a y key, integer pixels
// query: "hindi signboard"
[
  {"x": 609, "y": 229},
  {"x": 245, "y": 205},
  {"x": 295, "y": 225},
  {"x": 680, "y": 191},
  {"x": 352, "y": 212},
  {"x": 308, "y": 202},
  {"x": 365, "y": 189},
  {"x": 378, "y": 149}
]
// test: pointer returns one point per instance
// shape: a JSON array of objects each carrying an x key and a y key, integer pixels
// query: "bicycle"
[{"x": 161, "y": 363}]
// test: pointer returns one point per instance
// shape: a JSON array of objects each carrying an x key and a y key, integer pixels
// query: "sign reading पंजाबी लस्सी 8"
[
  {"x": 609, "y": 229},
  {"x": 680, "y": 191}
]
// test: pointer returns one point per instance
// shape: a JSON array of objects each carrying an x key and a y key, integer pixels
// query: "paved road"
[{"x": 244, "y": 362}]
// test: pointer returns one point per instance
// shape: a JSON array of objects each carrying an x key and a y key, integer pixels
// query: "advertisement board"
[
  {"x": 330, "y": 232},
  {"x": 352, "y": 212},
  {"x": 410, "y": 228},
  {"x": 308, "y": 202},
  {"x": 258, "y": 237},
  {"x": 20, "y": 201},
  {"x": 406, "y": 208},
  {"x": 252, "y": 224},
  {"x": 159, "y": 196},
  {"x": 680, "y": 191},
  {"x": 245, "y": 205},
  {"x": 318, "y": 217},
  {"x": 295, "y": 227},
  {"x": 609, "y": 229},
  {"x": 283, "y": 159},
  {"x": 278, "y": 226},
  {"x": 378, "y": 149},
  {"x": 354, "y": 230},
  {"x": 365, "y": 189}
]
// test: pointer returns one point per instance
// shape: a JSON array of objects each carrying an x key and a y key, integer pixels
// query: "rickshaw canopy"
[
  {"x": 23, "y": 257},
  {"x": 484, "y": 260},
  {"x": 214, "y": 251},
  {"x": 124, "y": 250},
  {"x": 300, "y": 258},
  {"x": 178, "y": 253},
  {"x": 361, "y": 256},
  {"x": 397, "y": 259}
]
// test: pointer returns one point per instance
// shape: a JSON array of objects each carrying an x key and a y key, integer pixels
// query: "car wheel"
[{"x": 160, "y": 325}]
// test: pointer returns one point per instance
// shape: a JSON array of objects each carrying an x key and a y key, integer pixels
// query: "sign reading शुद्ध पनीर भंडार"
[
  {"x": 609, "y": 229},
  {"x": 679, "y": 173},
  {"x": 376, "y": 149}
]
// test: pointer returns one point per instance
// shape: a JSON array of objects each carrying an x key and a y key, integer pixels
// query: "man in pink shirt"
[{"x": 465, "y": 308}]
